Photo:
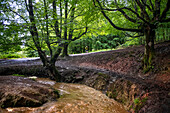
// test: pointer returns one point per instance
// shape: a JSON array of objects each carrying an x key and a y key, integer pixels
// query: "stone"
[{"x": 24, "y": 92}]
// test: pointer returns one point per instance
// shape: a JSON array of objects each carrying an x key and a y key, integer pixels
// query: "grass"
[
  {"x": 101, "y": 50},
  {"x": 18, "y": 75},
  {"x": 12, "y": 55},
  {"x": 117, "y": 48}
]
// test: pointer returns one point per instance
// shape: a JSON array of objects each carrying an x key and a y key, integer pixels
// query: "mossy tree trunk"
[
  {"x": 52, "y": 72},
  {"x": 149, "y": 48},
  {"x": 49, "y": 64},
  {"x": 65, "y": 50}
]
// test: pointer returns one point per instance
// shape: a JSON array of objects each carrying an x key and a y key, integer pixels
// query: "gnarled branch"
[
  {"x": 119, "y": 28},
  {"x": 165, "y": 11}
]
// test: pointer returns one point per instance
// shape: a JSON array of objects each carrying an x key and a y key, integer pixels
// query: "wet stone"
[{"x": 24, "y": 92}]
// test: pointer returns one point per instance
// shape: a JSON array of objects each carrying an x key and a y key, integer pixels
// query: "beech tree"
[
  {"x": 48, "y": 26},
  {"x": 60, "y": 29},
  {"x": 71, "y": 13},
  {"x": 145, "y": 15}
]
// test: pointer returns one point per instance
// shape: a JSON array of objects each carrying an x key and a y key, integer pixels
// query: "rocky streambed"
[{"x": 24, "y": 95}]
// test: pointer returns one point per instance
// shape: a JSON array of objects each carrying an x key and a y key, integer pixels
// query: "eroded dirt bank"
[{"x": 118, "y": 74}]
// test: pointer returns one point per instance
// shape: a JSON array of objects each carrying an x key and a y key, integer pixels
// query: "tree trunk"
[
  {"x": 65, "y": 50},
  {"x": 149, "y": 48},
  {"x": 52, "y": 72},
  {"x": 49, "y": 65}
]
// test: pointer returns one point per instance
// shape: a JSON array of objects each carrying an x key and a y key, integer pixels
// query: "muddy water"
[{"x": 75, "y": 98}]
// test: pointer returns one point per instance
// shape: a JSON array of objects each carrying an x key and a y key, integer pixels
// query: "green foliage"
[
  {"x": 31, "y": 53},
  {"x": 9, "y": 34},
  {"x": 162, "y": 32},
  {"x": 132, "y": 41},
  {"x": 57, "y": 92},
  {"x": 138, "y": 104},
  {"x": 95, "y": 43},
  {"x": 18, "y": 75},
  {"x": 2, "y": 106},
  {"x": 10, "y": 55},
  {"x": 136, "y": 101}
]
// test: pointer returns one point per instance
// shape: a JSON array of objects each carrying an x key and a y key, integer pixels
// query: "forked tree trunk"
[
  {"x": 49, "y": 67},
  {"x": 52, "y": 72},
  {"x": 149, "y": 48},
  {"x": 65, "y": 50}
]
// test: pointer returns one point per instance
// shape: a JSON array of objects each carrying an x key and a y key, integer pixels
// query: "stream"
[{"x": 75, "y": 98}]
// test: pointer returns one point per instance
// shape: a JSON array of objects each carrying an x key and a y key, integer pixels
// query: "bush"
[
  {"x": 10, "y": 55},
  {"x": 31, "y": 53}
]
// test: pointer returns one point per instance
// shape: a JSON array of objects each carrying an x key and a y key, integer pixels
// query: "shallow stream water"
[{"x": 75, "y": 98}]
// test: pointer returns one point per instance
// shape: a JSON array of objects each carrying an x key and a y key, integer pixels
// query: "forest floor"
[{"x": 125, "y": 62}]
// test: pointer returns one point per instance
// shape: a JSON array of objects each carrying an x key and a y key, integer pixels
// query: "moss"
[
  {"x": 131, "y": 107},
  {"x": 145, "y": 70},
  {"x": 112, "y": 94},
  {"x": 18, "y": 75},
  {"x": 103, "y": 75},
  {"x": 138, "y": 104},
  {"x": 129, "y": 83},
  {"x": 2, "y": 106},
  {"x": 136, "y": 101},
  {"x": 57, "y": 93}
]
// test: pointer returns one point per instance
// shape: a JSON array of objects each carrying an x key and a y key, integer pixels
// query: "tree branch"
[
  {"x": 56, "y": 54},
  {"x": 47, "y": 29},
  {"x": 165, "y": 11},
  {"x": 143, "y": 9},
  {"x": 156, "y": 14},
  {"x": 19, "y": 15},
  {"x": 80, "y": 35},
  {"x": 30, "y": 47},
  {"x": 26, "y": 5},
  {"x": 118, "y": 9},
  {"x": 151, "y": 4},
  {"x": 56, "y": 26},
  {"x": 119, "y": 28},
  {"x": 127, "y": 34},
  {"x": 146, "y": 5},
  {"x": 124, "y": 14}
]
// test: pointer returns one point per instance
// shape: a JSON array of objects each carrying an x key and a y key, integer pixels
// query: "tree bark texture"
[{"x": 149, "y": 48}]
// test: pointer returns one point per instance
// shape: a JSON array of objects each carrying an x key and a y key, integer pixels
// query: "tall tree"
[
  {"x": 145, "y": 16},
  {"x": 71, "y": 9},
  {"x": 45, "y": 28},
  {"x": 49, "y": 64}
]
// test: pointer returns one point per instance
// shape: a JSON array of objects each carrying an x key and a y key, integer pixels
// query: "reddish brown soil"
[{"x": 127, "y": 62}]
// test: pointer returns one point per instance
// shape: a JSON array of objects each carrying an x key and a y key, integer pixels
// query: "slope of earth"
[{"x": 125, "y": 61}]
